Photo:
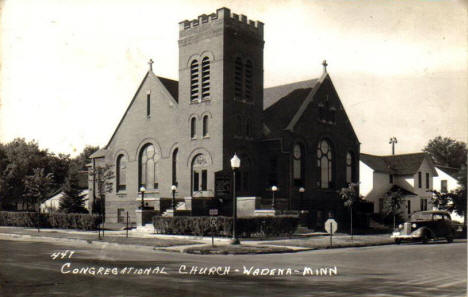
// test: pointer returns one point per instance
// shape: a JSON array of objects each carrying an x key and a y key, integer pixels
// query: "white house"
[
  {"x": 412, "y": 174},
  {"x": 53, "y": 203},
  {"x": 445, "y": 182}
]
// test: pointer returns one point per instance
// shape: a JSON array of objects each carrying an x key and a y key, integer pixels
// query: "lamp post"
[
  {"x": 142, "y": 190},
  {"x": 273, "y": 190},
  {"x": 235, "y": 164},
  {"x": 301, "y": 191},
  {"x": 173, "y": 189}
]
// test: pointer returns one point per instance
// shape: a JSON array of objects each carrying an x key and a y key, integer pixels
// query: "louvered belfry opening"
[
  {"x": 248, "y": 81},
  {"x": 205, "y": 78},
  {"x": 194, "y": 80},
  {"x": 238, "y": 69}
]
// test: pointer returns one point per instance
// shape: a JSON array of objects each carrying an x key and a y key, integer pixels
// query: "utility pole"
[{"x": 393, "y": 141}]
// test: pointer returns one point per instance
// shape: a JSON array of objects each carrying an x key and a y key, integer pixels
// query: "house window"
[
  {"x": 443, "y": 186},
  {"x": 199, "y": 173},
  {"x": 121, "y": 173},
  {"x": 205, "y": 78},
  {"x": 148, "y": 105},
  {"x": 205, "y": 126},
  {"x": 423, "y": 204},
  {"x": 174, "y": 166},
  {"x": 297, "y": 165},
  {"x": 419, "y": 179},
  {"x": 194, "y": 80},
  {"x": 408, "y": 205},
  {"x": 148, "y": 167},
  {"x": 324, "y": 163},
  {"x": 120, "y": 215},
  {"x": 238, "y": 72},
  {"x": 248, "y": 81},
  {"x": 349, "y": 167},
  {"x": 427, "y": 180},
  {"x": 193, "y": 127}
]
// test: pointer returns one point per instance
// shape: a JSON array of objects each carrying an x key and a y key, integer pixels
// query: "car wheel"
[
  {"x": 449, "y": 239},
  {"x": 425, "y": 238},
  {"x": 397, "y": 241}
]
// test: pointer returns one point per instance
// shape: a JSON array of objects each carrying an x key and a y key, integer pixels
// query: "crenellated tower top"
[{"x": 222, "y": 14}]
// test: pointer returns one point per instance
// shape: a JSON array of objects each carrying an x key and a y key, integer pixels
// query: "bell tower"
[{"x": 221, "y": 74}]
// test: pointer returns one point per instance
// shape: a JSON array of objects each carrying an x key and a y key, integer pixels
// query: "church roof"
[
  {"x": 274, "y": 94},
  {"x": 404, "y": 164},
  {"x": 172, "y": 86}
]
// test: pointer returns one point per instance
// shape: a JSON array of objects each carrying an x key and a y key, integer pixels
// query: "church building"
[{"x": 294, "y": 138}]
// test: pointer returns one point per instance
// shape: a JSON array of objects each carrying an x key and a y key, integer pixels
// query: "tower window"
[
  {"x": 205, "y": 78},
  {"x": 238, "y": 69},
  {"x": 199, "y": 173},
  {"x": 148, "y": 105},
  {"x": 193, "y": 127},
  {"x": 194, "y": 80},
  {"x": 248, "y": 81},
  {"x": 205, "y": 126}
]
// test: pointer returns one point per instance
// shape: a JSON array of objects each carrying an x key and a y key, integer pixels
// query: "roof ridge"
[{"x": 292, "y": 83}]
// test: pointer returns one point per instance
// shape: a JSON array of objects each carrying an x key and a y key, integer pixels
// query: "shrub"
[
  {"x": 246, "y": 227},
  {"x": 50, "y": 220}
]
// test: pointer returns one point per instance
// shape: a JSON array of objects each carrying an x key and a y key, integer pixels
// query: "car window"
[{"x": 437, "y": 217}]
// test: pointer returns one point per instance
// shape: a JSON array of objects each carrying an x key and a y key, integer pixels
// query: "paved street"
[{"x": 437, "y": 269}]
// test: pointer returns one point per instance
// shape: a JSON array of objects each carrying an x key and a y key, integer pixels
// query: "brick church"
[{"x": 185, "y": 132}]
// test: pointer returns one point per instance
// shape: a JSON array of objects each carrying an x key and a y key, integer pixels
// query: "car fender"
[{"x": 423, "y": 231}]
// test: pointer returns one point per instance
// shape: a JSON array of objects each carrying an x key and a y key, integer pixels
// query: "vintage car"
[{"x": 424, "y": 226}]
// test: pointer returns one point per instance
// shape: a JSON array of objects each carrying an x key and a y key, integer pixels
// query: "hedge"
[
  {"x": 50, "y": 220},
  {"x": 246, "y": 227}
]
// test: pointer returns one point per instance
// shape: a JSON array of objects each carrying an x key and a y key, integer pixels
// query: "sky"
[{"x": 69, "y": 69}]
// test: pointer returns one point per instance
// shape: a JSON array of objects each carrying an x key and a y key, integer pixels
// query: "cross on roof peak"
[
  {"x": 150, "y": 63},
  {"x": 324, "y": 63}
]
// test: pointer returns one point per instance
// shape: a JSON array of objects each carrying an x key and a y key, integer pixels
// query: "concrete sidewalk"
[{"x": 192, "y": 244}]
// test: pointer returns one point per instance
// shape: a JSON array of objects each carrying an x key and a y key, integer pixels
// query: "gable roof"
[
  {"x": 273, "y": 94},
  {"x": 405, "y": 192},
  {"x": 453, "y": 172},
  {"x": 404, "y": 164},
  {"x": 171, "y": 86},
  {"x": 100, "y": 153}
]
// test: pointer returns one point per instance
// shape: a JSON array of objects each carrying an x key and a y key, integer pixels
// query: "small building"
[
  {"x": 411, "y": 174},
  {"x": 53, "y": 203}
]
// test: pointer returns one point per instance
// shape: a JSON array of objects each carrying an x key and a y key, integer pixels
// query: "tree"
[
  {"x": 73, "y": 199},
  {"x": 103, "y": 177},
  {"x": 392, "y": 204},
  {"x": 37, "y": 187},
  {"x": 82, "y": 159},
  {"x": 445, "y": 151},
  {"x": 350, "y": 196}
]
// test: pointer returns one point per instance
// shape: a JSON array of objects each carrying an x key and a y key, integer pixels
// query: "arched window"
[
  {"x": 148, "y": 167},
  {"x": 194, "y": 80},
  {"x": 238, "y": 72},
  {"x": 325, "y": 164},
  {"x": 193, "y": 127},
  {"x": 205, "y": 78},
  {"x": 298, "y": 170},
  {"x": 174, "y": 166},
  {"x": 205, "y": 126},
  {"x": 121, "y": 173},
  {"x": 349, "y": 167},
  {"x": 199, "y": 173},
  {"x": 248, "y": 81}
]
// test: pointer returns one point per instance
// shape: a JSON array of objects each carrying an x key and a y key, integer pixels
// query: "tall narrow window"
[
  {"x": 148, "y": 105},
  {"x": 248, "y": 81},
  {"x": 148, "y": 167},
  {"x": 297, "y": 164},
  {"x": 193, "y": 127},
  {"x": 427, "y": 180},
  {"x": 199, "y": 173},
  {"x": 409, "y": 206},
  {"x": 391, "y": 178},
  {"x": 194, "y": 80},
  {"x": 324, "y": 163},
  {"x": 205, "y": 78},
  {"x": 205, "y": 126},
  {"x": 174, "y": 166},
  {"x": 121, "y": 173},
  {"x": 419, "y": 179},
  {"x": 349, "y": 167},
  {"x": 443, "y": 186},
  {"x": 238, "y": 72}
]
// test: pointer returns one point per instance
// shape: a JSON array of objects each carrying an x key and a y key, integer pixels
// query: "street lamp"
[
  {"x": 235, "y": 164},
  {"x": 173, "y": 189},
  {"x": 301, "y": 191},
  {"x": 273, "y": 190},
  {"x": 142, "y": 190}
]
